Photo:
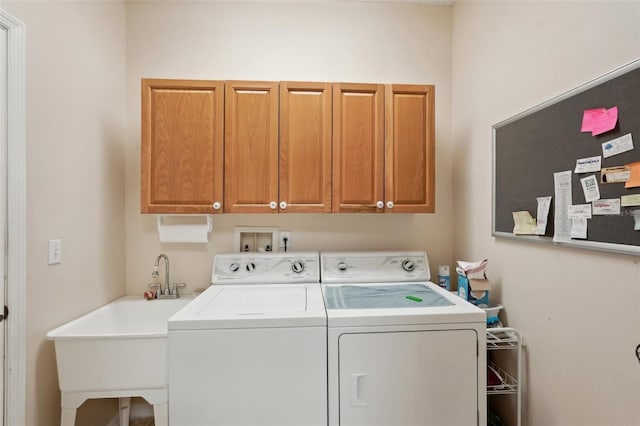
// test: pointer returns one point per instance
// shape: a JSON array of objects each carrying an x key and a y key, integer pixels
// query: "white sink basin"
[{"x": 118, "y": 350}]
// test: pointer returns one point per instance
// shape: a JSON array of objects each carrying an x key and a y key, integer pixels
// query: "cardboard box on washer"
[{"x": 474, "y": 290}]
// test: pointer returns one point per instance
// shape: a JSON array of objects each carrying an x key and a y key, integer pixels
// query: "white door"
[
  {"x": 411, "y": 378},
  {"x": 3, "y": 203},
  {"x": 12, "y": 210}
]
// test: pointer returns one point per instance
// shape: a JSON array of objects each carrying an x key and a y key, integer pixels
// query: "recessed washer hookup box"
[{"x": 475, "y": 291}]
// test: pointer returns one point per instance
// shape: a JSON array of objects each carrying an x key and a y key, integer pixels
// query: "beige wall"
[
  {"x": 578, "y": 310},
  {"x": 316, "y": 41},
  {"x": 75, "y": 175}
]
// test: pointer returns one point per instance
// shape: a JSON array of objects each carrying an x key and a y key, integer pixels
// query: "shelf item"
[{"x": 506, "y": 338}]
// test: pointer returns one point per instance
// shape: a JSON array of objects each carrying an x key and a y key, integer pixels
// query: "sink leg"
[
  {"x": 124, "y": 406},
  {"x": 161, "y": 414},
  {"x": 68, "y": 416}
]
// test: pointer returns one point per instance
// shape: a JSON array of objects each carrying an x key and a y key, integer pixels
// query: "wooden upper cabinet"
[
  {"x": 182, "y": 146},
  {"x": 251, "y": 147},
  {"x": 305, "y": 147},
  {"x": 264, "y": 147},
  {"x": 410, "y": 149},
  {"x": 358, "y": 147}
]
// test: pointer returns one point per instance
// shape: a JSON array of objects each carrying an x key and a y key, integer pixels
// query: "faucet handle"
[
  {"x": 174, "y": 289},
  {"x": 157, "y": 286}
]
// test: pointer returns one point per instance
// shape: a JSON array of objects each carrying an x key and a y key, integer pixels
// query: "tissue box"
[{"x": 475, "y": 291}]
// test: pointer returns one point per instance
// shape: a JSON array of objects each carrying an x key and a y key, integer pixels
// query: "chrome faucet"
[
  {"x": 167, "y": 293},
  {"x": 156, "y": 268}
]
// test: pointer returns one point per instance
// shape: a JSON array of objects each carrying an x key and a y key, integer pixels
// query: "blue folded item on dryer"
[{"x": 383, "y": 296}]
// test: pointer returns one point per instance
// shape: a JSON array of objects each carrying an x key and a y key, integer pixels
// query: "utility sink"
[{"x": 116, "y": 351}]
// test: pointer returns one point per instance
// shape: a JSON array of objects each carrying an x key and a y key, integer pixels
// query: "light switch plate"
[{"x": 55, "y": 252}]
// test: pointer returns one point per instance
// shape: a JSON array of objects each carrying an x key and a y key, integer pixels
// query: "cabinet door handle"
[
  {"x": 389, "y": 204},
  {"x": 283, "y": 205},
  {"x": 217, "y": 205},
  {"x": 273, "y": 205},
  {"x": 380, "y": 204}
]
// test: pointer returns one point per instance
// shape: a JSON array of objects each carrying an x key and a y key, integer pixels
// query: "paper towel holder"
[{"x": 184, "y": 232}]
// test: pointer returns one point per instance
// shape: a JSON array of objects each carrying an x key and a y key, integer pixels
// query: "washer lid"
[
  {"x": 448, "y": 308},
  {"x": 244, "y": 300},
  {"x": 253, "y": 306}
]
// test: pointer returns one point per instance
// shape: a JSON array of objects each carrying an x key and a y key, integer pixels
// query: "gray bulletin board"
[{"x": 530, "y": 147}]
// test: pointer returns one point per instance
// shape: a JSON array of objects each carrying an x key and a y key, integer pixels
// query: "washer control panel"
[
  {"x": 266, "y": 268},
  {"x": 371, "y": 267}
]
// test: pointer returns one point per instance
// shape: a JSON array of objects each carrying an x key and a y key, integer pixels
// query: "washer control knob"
[
  {"x": 408, "y": 265},
  {"x": 297, "y": 266},
  {"x": 342, "y": 266},
  {"x": 234, "y": 267},
  {"x": 251, "y": 267}
]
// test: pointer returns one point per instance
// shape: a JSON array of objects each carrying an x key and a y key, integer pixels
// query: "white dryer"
[
  {"x": 251, "y": 350},
  {"x": 401, "y": 350}
]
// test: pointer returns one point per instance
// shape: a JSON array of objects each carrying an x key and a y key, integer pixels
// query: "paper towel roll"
[{"x": 184, "y": 233}]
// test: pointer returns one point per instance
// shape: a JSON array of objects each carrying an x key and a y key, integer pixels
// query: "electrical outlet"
[
  {"x": 55, "y": 252},
  {"x": 285, "y": 235}
]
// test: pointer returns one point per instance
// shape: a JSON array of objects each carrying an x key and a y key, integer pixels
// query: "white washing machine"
[
  {"x": 251, "y": 350},
  {"x": 401, "y": 350}
]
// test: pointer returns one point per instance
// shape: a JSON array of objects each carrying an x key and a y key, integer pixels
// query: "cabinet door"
[
  {"x": 411, "y": 378},
  {"x": 410, "y": 149},
  {"x": 182, "y": 146},
  {"x": 251, "y": 147},
  {"x": 358, "y": 147},
  {"x": 305, "y": 147}
]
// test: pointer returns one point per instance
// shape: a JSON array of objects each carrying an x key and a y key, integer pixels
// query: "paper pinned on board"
[
  {"x": 524, "y": 224},
  {"x": 599, "y": 120},
  {"x": 588, "y": 165},
  {"x": 543, "y": 214},
  {"x": 630, "y": 200},
  {"x": 636, "y": 220},
  {"x": 634, "y": 175},
  {"x": 610, "y": 206},
  {"x": 617, "y": 146},
  {"x": 590, "y": 188},
  {"x": 563, "y": 199},
  {"x": 616, "y": 174},
  {"x": 579, "y": 228},
  {"x": 579, "y": 211}
]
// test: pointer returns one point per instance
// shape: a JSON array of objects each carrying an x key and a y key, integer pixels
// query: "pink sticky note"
[
  {"x": 599, "y": 120},
  {"x": 589, "y": 117}
]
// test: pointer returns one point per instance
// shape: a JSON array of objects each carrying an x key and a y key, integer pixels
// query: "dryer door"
[{"x": 409, "y": 378}]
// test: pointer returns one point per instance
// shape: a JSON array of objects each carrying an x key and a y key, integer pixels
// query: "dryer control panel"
[
  {"x": 266, "y": 268},
  {"x": 373, "y": 267}
]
